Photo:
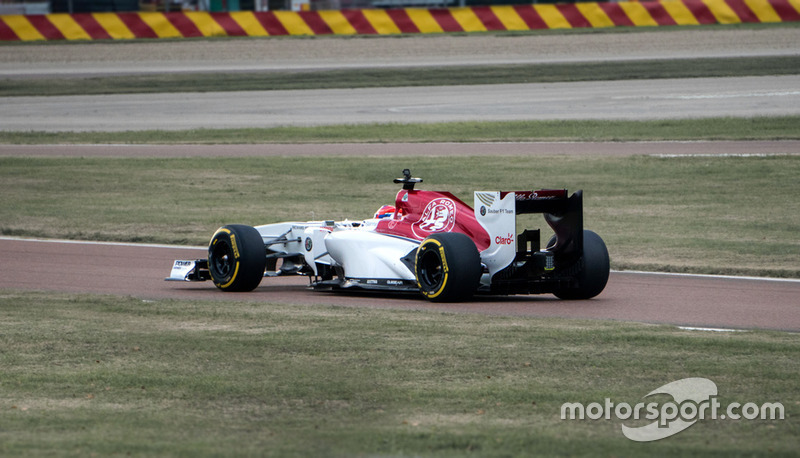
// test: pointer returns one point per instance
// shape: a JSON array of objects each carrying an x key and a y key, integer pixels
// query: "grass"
[
  {"x": 395, "y": 77},
  {"x": 97, "y": 375},
  {"x": 728, "y": 215},
  {"x": 756, "y": 128}
]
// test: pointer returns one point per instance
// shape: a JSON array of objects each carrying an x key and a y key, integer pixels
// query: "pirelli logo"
[{"x": 235, "y": 248}]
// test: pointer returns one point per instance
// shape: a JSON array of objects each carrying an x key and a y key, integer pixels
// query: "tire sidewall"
[
  {"x": 431, "y": 291},
  {"x": 594, "y": 272},
  {"x": 246, "y": 268},
  {"x": 460, "y": 265}
]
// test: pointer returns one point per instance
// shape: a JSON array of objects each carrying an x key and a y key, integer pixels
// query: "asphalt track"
[
  {"x": 645, "y": 99},
  {"x": 653, "y": 298},
  {"x": 625, "y": 100},
  {"x": 139, "y": 271}
]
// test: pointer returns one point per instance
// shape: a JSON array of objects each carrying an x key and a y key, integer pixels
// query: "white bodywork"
[
  {"x": 361, "y": 254},
  {"x": 370, "y": 255},
  {"x": 354, "y": 247},
  {"x": 499, "y": 218}
]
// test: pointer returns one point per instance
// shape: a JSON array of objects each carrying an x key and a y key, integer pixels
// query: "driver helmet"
[{"x": 386, "y": 211}]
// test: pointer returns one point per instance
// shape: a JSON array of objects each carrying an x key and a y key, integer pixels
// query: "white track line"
[
  {"x": 89, "y": 242},
  {"x": 692, "y": 328},
  {"x": 722, "y": 277}
]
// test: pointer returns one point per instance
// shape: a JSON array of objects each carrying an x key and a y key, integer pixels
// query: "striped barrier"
[{"x": 99, "y": 26}]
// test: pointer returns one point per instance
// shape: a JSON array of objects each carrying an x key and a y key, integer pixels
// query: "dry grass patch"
[{"x": 101, "y": 375}]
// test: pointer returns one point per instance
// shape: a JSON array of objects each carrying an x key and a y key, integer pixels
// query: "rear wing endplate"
[{"x": 563, "y": 213}]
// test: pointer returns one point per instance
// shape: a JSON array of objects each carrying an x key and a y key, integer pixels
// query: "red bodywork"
[{"x": 422, "y": 213}]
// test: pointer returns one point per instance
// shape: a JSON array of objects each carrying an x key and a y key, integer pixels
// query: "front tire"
[
  {"x": 592, "y": 278},
  {"x": 236, "y": 258},
  {"x": 448, "y": 267}
]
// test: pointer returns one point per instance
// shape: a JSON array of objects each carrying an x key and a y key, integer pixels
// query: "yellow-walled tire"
[
  {"x": 448, "y": 267},
  {"x": 237, "y": 258}
]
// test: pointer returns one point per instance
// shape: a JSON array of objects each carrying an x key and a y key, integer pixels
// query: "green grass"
[
  {"x": 110, "y": 376},
  {"x": 107, "y": 376},
  {"x": 757, "y": 128},
  {"x": 731, "y": 215},
  {"x": 393, "y": 77}
]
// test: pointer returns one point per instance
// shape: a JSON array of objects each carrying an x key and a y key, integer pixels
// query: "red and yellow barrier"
[{"x": 99, "y": 26}]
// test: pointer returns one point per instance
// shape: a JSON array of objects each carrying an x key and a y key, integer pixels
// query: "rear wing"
[
  {"x": 496, "y": 211},
  {"x": 563, "y": 213},
  {"x": 541, "y": 201}
]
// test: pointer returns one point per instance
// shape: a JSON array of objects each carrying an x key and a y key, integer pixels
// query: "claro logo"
[{"x": 507, "y": 240}]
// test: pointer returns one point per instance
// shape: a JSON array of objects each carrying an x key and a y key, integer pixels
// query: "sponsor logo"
[
  {"x": 179, "y": 264},
  {"x": 498, "y": 211},
  {"x": 486, "y": 198},
  {"x": 309, "y": 244},
  {"x": 380, "y": 282},
  {"x": 526, "y": 195},
  {"x": 507, "y": 240},
  {"x": 439, "y": 216},
  {"x": 541, "y": 194},
  {"x": 235, "y": 248}
]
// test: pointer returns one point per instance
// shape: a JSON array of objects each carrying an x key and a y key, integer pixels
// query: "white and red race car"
[{"x": 429, "y": 241}]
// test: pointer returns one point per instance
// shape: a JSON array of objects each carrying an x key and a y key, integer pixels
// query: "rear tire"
[
  {"x": 448, "y": 267},
  {"x": 593, "y": 276},
  {"x": 237, "y": 258}
]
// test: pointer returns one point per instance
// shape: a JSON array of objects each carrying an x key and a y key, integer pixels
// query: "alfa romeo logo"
[{"x": 439, "y": 216}]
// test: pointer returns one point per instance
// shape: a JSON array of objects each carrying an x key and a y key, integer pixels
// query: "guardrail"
[{"x": 100, "y": 26}]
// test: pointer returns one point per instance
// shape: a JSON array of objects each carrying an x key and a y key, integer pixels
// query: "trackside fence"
[{"x": 116, "y": 26}]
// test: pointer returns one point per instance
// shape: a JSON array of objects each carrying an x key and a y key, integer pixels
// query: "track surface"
[
  {"x": 532, "y": 149},
  {"x": 139, "y": 270},
  {"x": 652, "y": 298},
  {"x": 631, "y": 100},
  {"x": 647, "y": 99}
]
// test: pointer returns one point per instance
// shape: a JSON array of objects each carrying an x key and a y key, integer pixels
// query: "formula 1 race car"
[{"x": 428, "y": 241}]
